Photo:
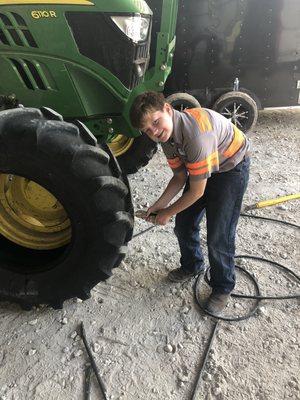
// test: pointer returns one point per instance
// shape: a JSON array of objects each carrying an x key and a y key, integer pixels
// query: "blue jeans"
[{"x": 222, "y": 201}]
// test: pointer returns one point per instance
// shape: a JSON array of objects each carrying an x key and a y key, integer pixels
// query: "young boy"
[{"x": 210, "y": 157}]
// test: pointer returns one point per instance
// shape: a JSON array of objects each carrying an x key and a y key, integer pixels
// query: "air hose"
[
  {"x": 271, "y": 219},
  {"x": 258, "y": 296}
]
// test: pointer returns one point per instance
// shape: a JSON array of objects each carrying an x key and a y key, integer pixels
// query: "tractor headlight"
[{"x": 135, "y": 27}]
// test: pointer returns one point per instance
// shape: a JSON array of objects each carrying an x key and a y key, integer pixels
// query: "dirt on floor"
[{"x": 147, "y": 335}]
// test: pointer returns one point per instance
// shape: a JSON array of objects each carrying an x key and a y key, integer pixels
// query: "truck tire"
[
  {"x": 138, "y": 155},
  {"x": 181, "y": 101},
  {"x": 239, "y": 107},
  {"x": 52, "y": 261}
]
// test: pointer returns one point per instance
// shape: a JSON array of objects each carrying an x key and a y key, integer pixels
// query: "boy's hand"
[
  {"x": 162, "y": 217},
  {"x": 152, "y": 210}
]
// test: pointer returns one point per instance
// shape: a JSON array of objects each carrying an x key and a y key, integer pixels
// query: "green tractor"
[{"x": 66, "y": 213}]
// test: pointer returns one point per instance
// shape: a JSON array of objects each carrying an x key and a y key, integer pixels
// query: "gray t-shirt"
[{"x": 204, "y": 142}]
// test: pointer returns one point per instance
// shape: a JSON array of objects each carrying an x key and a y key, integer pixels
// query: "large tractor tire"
[
  {"x": 239, "y": 107},
  {"x": 133, "y": 153},
  {"x": 65, "y": 209}
]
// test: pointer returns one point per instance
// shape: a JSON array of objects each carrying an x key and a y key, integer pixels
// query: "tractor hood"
[{"x": 118, "y": 6}]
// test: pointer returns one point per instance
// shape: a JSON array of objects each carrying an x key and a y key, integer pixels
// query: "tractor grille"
[
  {"x": 14, "y": 31},
  {"x": 141, "y": 54},
  {"x": 99, "y": 39},
  {"x": 32, "y": 73}
]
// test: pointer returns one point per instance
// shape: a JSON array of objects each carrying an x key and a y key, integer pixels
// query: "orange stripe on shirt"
[
  {"x": 174, "y": 162},
  {"x": 236, "y": 144},
  {"x": 203, "y": 163},
  {"x": 210, "y": 164},
  {"x": 204, "y": 170},
  {"x": 201, "y": 117}
]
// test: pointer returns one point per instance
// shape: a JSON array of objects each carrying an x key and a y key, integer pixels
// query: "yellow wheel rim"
[
  {"x": 120, "y": 144},
  {"x": 30, "y": 215}
]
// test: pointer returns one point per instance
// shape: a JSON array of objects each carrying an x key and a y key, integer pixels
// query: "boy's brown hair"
[{"x": 144, "y": 104}]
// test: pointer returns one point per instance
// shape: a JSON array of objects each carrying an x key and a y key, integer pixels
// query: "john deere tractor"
[{"x": 66, "y": 214}]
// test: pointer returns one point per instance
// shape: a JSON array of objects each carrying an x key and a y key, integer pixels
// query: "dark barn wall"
[{"x": 257, "y": 41}]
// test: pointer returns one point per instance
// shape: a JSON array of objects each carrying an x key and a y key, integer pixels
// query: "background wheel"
[
  {"x": 181, "y": 101},
  {"x": 65, "y": 209},
  {"x": 239, "y": 107},
  {"x": 133, "y": 153}
]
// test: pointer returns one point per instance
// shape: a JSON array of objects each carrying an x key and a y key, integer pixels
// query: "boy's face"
[{"x": 158, "y": 125}]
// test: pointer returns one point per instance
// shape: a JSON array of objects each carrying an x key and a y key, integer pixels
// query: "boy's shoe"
[
  {"x": 180, "y": 275},
  {"x": 216, "y": 302}
]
